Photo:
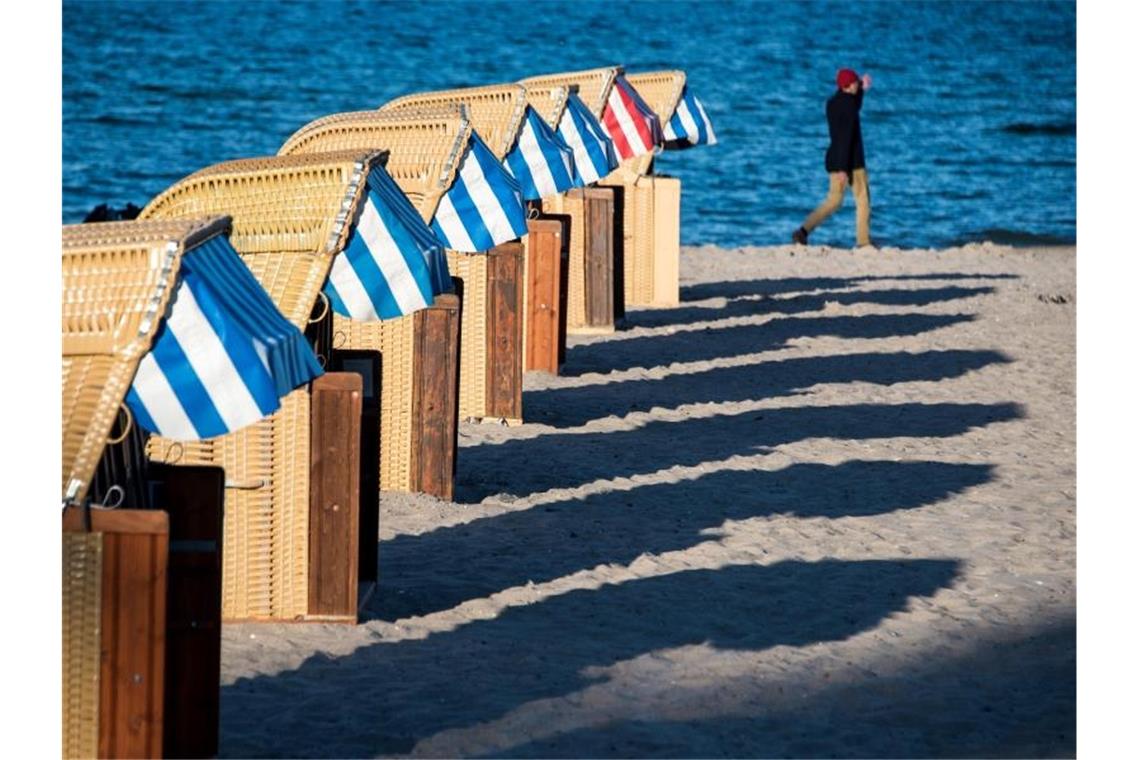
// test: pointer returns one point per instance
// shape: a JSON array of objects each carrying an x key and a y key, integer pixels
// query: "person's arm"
[{"x": 864, "y": 84}]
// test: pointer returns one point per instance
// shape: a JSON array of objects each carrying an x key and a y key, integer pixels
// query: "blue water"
[{"x": 970, "y": 126}]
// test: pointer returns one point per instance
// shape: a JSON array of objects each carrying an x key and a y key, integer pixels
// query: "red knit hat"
[{"x": 846, "y": 77}]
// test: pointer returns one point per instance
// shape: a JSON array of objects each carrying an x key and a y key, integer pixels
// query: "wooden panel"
[
  {"x": 334, "y": 496},
  {"x": 544, "y": 285},
  {"x": 666, "y": 241},
  {"x": 435, "y": 414},
  {"x": 599, "y": 258},
  {"x": 617, "y": 223},
  {"x": 504, "y": 331},
  {"x": 369, "y": 365},
  {"x": 133, "y": 623},
  {"x": 192, "y": 496}
]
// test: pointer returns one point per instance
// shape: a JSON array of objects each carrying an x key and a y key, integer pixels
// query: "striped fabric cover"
[
  {"x": 393, "y": 265},
  {"x": 632, "y": 125},
  {"x": 484, "y": 206},
  {"x": 690, "y": 124},
  {"x": 541, "y": 161},
  {"x": 594, "y": 154},
  {"x": 224, "y": 356}
]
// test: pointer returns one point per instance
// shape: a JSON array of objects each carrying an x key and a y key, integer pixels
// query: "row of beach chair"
[{"x": 277, "y": 340}]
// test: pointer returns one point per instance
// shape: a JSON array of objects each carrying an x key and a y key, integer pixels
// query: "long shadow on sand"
[
  {"x": 564, "y": 460},
  {"x": 384, "y": 698},
  {"x": 545, "y": 542},
  {"x": 574, "y": 406},
  {"x": 779, "y": 286},
  {"x": 751, "y": 307},
  {"x": 720, "y": 342},
  {"x": 1008, "y": 699}
]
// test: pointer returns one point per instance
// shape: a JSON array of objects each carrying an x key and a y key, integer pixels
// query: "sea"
[{"x": 969, "y": 126}]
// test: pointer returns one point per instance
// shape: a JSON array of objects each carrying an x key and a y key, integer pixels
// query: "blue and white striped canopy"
[
  {"x": 594, "y": 153},
  {"x": 393, "y": 265},
  {"x": 541, "y": 161},
  {"x": 484, "y": 206},
  {"x": 690, "y": 124},
  {"x": 224, "y": 356}
]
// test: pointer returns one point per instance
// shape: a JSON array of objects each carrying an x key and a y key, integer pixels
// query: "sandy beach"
[{"x": 826, "y": 507}]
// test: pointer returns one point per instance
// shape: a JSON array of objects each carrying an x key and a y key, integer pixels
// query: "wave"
[
  {"x": 1017, "y": 238},
  {"x": 1055, "y": 128}
]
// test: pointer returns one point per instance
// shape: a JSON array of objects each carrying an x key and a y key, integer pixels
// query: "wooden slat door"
[
  {"x": 435, "y": 407},
  {"x": 334, "y": 496},
  {"x": 133, "y": 627},
  {"x": 544, "y": 285},
  {"x": 504, "y": 332},
  {"x": 617, "y": 220},
  {"x": 193, "y": 497},
  {"x": 369, "y": 365},
  {"x": 599, "y": 257}
]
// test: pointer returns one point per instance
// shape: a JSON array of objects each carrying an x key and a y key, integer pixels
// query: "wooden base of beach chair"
[
  {"x": 334, "y": 503},
  {"x": 193, "y": 498},
  {"x": 590, "y": 303},
  {"x": 419, "y": 391},
  {"x": 368, "y": 366},
  {"x": 490, "y": 344},
  {"x": 544, "y": 313},
  {"x": 652, "y": 238},
  {"x": 114, "y": 631}
]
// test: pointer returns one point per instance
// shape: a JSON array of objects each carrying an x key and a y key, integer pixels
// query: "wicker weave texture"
[
  {"x": 548, "y": 101},
  {"x": 661, "y": 91},
  {"x": 265, "y": 564},
  {"x": 473, "y": 357},
  {"x": 82, "y": 610},
  {"x": 395, "y": 340},
  {"x": 635, "y": 263},
  {"x": 496, "y": 112},
  {"x": 118, "y": 278},
  {"x": 644, "y": 284},
  {"x": 291, "y": 216},
  {"x": 423, "y": 147},
  {"x": 593, "y": 85}
]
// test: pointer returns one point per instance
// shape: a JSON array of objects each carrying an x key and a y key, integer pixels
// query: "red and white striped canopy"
[{"x": 632, "y": 125}]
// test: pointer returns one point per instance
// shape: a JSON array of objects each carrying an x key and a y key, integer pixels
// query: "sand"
[{"x": 826, "y": 507}]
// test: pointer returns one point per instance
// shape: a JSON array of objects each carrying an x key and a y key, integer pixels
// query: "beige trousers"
[{"x": 834, "y": 200}]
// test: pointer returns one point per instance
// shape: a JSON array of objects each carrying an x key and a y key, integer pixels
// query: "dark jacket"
[{"x": 845, "y": 154}]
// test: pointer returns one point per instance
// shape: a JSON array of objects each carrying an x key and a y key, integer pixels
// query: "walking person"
[{"x": 845, "y": 163}]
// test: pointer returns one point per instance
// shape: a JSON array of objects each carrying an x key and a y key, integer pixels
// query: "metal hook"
[
  {"x": 343, "y": 336},
  {"x": 325, "y": 301},
  {"x": 166, "y": 454},
  {"x": 107, "y": 497},
  {"x": 127, "y": 427}
]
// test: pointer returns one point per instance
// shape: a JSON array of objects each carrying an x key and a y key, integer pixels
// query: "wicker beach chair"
[
  {"x": 652, "y": 206},
  {"x": 420, "y": 366},
  {"x": 491, "y": 343},
  {"x": 291, "y": 217},
  {"x": 118, "y": 280},
  {"x": 591, "y": 303}
]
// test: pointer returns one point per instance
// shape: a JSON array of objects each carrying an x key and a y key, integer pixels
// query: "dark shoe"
[{"x": 799, "y": 237}]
